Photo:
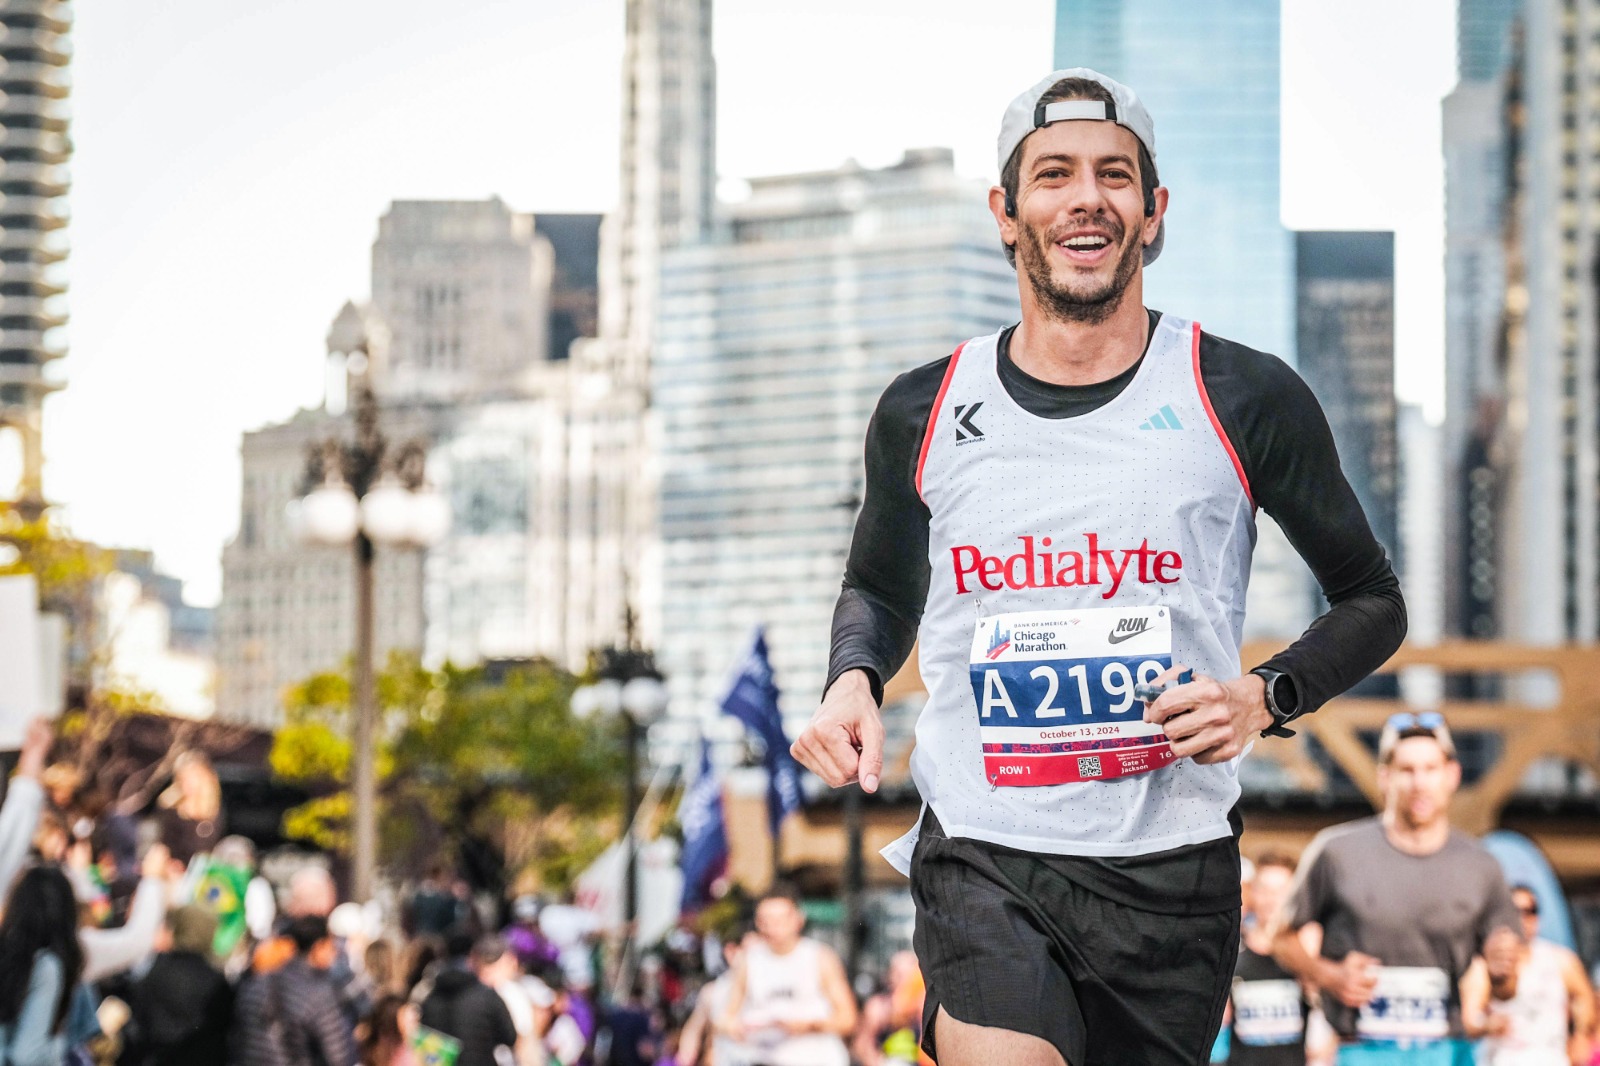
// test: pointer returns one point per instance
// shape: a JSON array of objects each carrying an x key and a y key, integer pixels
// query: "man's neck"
[
  {"x": 1081, "y": 353},
  {"x": 1416, "y": 839}
]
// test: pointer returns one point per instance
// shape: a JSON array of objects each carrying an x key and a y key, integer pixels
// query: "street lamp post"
[
  {"x": 628, "y": 685},
  {"x": 361, "y": 495}
]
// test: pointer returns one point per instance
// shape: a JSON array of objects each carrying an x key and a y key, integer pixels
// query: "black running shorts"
[{"x": 1006, "y": 941}]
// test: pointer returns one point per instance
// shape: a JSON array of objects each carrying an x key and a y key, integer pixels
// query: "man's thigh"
[
  {"x": 962, "y": 1044},
  {"x": 1006, "y": 946}
]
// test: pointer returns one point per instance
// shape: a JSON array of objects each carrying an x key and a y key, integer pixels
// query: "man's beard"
[{"x": 1092, "y": 306}]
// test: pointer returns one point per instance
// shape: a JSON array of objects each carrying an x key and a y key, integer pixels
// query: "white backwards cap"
[{"x": 1027, "y": 114}]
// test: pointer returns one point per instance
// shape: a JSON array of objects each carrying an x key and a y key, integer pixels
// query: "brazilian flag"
[{"x": 221, "y": 891}]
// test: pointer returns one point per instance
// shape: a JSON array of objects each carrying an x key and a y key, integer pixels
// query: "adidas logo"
[{"x": 1166, "y": 418}]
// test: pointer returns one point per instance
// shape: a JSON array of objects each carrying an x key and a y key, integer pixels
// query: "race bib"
[
  {"x": 1410, "y": 1003},
  {"x": 1267, "y": 1013},
  {"x": 1054, "y": 692}
]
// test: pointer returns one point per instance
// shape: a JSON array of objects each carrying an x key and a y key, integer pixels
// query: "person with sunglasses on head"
[
  {"x": 1550, "y": 1020},
  {"x": 1405, "y": 903},
  {"x": 1062, "y": 515}
]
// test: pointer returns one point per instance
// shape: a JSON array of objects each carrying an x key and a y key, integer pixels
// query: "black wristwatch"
[{"x": 1283, "y": 702}]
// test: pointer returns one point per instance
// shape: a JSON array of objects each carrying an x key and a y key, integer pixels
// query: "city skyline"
[{"x": 212, "y": 241}]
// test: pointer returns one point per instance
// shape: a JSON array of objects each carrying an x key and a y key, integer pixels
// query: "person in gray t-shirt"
[{"x": 1405, "y": 902}]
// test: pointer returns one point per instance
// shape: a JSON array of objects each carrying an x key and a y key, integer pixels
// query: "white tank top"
[
  {"x": 788, "y": 988},
  {"x": 1537, "y": 1013},
  {"x": 1071, "y": 558}
]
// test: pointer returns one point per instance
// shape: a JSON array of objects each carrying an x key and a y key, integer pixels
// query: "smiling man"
[
  {"x": 1405, "y": 903},
  {"x": 1067, "y": 510}
]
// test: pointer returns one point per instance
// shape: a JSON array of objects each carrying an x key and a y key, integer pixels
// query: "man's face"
[
  {"x": 779, "y": 921},
  {"x": 1418, "y": 782},
  {"x": 1527, "y": 906},
  {"x": 1268, "y": 891},
  {"x": 1080, "y": 227}
]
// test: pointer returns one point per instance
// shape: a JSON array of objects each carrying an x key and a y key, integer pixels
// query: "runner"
[
  {"x": 700, "y": 1044},
  {"x": 1271, "y": 1021},
  {"x": 1404, "y": 902},
  {"x": 790, "y": 1003},
  {"x": 1550, "y": 1020},
  {"x": 1068, "y": 508}
]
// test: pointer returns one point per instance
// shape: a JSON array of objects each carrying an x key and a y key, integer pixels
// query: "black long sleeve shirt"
[{"x": 1281, "y": 436}]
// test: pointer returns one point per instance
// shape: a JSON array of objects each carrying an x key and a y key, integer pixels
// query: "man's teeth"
[{"x": 1085, "y": 242}]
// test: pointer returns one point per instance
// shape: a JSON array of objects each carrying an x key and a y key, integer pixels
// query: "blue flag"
[
  {"x": 705, "y": 835},
  {"x": 753, "y": 699}
]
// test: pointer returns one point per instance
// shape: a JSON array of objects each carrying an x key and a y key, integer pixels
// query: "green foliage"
[
  {"x": 64, "y": 567},
  {"x": 459, "y": 754}
]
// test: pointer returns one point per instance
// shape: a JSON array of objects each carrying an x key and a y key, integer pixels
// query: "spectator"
[
  {"x": 41, "y": 964},
  {"x": 111, "y": 951},
  {"x": 230, "y": 888},
  {"x": 19, "y": 816},
  {"x": 182, "y": 1007},
  {"x": 1549, "y": 1020},
  {"x": 386, "y": 1037},
  {"x": 382, "y": 970},
  {"x": 291, "y": 1016},
  {"x": 533, "y": 949},
  {"x": 434, "y": 909},
  {"x": 189, "y": 812},
  {"x": 423, "y": 957},
  {"x": 699, "y": 1042},
  {"x": 465, "y": 1009},
  {"x": 312, "y": 893}
]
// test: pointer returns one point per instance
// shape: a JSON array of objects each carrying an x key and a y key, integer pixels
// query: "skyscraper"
[
  {"x": 34, "y": 148},
  {"x": 462, "y": 288},
  {"x": 667, "y": 199},
  {"x": 1228, "y": 262},
  {"x": 775, "y": 343},
  {"x": 1547, "y": 444},
  {"x": 458, "y": 328},
  {"x": 1476, "y": 159},
  {"x": 1345, "y": 311}
]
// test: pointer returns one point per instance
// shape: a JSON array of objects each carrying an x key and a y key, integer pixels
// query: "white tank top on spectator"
[
  {"x": 1537, "y": 1013},
  {"x": 788, "y": 988},
  {"x": 1070, "y": 558}
]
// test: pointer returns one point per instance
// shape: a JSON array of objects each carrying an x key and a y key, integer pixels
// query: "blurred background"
[{"x": 449, "y": 419}]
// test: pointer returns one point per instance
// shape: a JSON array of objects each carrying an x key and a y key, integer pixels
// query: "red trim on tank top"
[
  {"x": 933, "y": 415},
  {"x": 1211, "y": 413}
]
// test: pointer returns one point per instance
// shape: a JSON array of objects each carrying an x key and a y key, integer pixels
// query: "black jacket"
[
  {"x": 291, "y": 1017},
  {"x": 469, "y": 1010},
  {"x": 181, "y": 1010}
]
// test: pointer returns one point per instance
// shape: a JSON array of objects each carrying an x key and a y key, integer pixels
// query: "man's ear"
[{"x": 1007, "y": 223}]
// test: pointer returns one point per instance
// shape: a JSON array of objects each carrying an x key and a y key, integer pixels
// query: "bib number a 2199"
[{"x": 1055, "y": 693}]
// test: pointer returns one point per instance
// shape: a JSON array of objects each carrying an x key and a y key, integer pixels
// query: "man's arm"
[
  {"x": 1580, "y": 1007},
  {"x": 841, "y": 1020},
  {"x": 885, "y": 588},
  {"x": 886, "y": 577},
  {"x": 1276, "y": 425}
]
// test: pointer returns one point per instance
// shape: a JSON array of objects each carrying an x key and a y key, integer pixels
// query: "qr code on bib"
[{"x": 1089, "y": 766}]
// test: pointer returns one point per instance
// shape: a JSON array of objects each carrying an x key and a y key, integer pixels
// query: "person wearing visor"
[
  {"x": 1550, "y": 1020},
  {"x": 1405, "y": 903},
  {"x": 1063, "y": 514}
]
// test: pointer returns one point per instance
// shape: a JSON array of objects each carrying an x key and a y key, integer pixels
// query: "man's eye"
[{"x": 1120, "y": 175}]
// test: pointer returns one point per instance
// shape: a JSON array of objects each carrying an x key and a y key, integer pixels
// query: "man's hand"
[
  {"x": 1209, "y": 720},
  {"x": 36, "y": 744},
  {"x": 1501, "y": 953},
  {"x": 844, "y": 741},
  {"x": 1350, "y": 981}
]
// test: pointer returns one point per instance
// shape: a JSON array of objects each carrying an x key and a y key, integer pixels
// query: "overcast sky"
[{"x": 232, "y": 161}]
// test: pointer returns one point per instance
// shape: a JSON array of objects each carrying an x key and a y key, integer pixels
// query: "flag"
[
  {"x": 753, "y": 699},
  {"x": 705, "y": 834},
  {"x": 221, "y": 891}
]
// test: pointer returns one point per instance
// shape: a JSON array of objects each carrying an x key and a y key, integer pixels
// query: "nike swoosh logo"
[{"x": 1118, "y": 638}]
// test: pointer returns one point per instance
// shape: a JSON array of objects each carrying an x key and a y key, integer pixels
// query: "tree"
[{"x": 494, "y": 768}]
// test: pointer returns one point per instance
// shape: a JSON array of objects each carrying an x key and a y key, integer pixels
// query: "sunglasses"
[
  {"x": 1404, "y": 720},
  {"x": 1529, "y": 912}
]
